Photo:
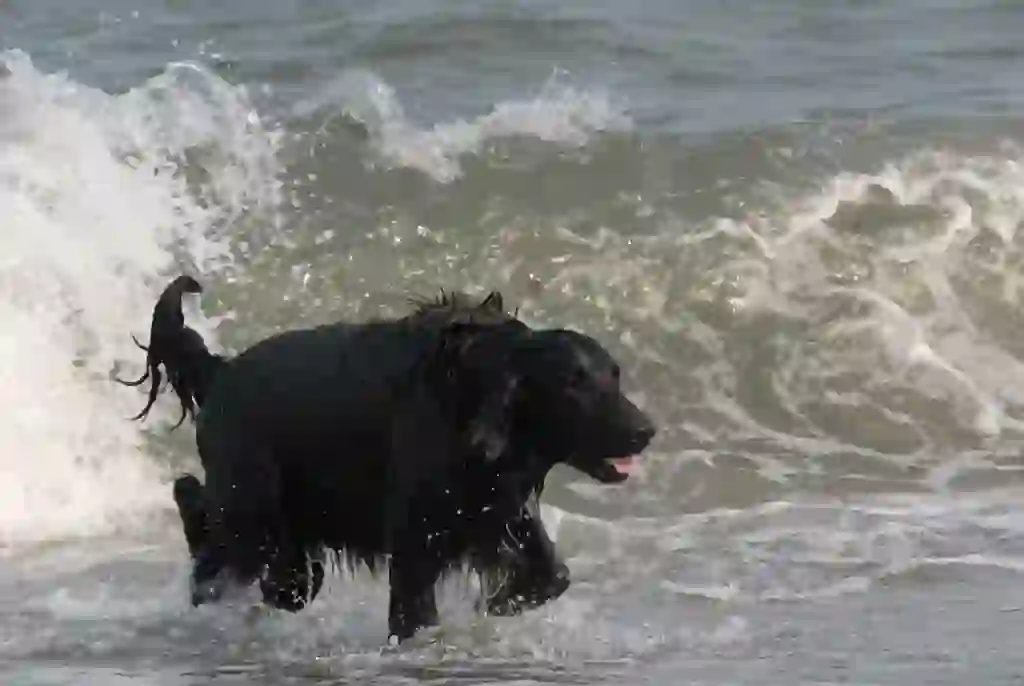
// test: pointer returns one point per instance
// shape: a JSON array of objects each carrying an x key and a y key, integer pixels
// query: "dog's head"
[{"x": 556, "y": 396}]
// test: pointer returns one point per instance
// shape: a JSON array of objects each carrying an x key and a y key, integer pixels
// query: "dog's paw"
[
  {"x": 505, "y": 606},
  {"x": 208, "y": 590},
  {"x": 515, "y": 598}
]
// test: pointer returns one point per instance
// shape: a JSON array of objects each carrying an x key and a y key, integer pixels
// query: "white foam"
[
  {"x": 905, "y": 276},
  {"x": 558, "y": 113},
  {"x": 91, "y": 200}
]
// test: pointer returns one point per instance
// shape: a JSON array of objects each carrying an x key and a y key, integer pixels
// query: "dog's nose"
[
  {"x": 638, "y": 426},
  {"x": 643, "y": 435}
]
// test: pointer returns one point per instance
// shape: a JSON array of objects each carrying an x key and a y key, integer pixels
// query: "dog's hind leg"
[
  {"x": 189, "y": 497},
  {"x": 207, "y": 582},
  {"x": 295, "y": 571},
  {"x": 246, "y": 525}
]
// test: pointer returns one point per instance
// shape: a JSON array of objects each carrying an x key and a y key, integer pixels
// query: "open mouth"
[
  {"x": 611, "y": 470},
  {"x": 619, "y": 459},
  {"x": 624, "y": 465}
]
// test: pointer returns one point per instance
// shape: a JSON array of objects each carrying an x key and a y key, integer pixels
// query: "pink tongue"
[{"x": 624, "y": 465}]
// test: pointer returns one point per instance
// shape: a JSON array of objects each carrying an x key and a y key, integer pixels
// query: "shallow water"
[{"x": 796, "y": 224}]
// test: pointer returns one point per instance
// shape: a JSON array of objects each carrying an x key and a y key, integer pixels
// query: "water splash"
[
  {"x": 98, "y": 195},
  {"x": 558, "y": 113}
]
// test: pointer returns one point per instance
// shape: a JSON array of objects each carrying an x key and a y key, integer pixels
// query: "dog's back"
[
  {"x": 291, "y": 387},
  {"x": 294, "y": 383}
]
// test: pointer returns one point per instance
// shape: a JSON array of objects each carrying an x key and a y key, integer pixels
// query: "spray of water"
[
  {"x": 100, "y": 197},
  {"x": 559, "y": 113}
]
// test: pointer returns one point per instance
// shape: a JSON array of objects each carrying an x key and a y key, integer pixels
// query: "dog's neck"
[{"x": 520, "y": 474}]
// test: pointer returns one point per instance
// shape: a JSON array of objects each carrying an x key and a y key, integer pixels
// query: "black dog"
[{"x": 423, "y": 441}]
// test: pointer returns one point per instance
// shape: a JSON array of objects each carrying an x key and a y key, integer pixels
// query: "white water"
[
  {"x": 885, "y": 308},
  {"x": 92, "y": 203},
  {"x": 558, "y": 113},
  {"x": 88, "y": 234},
  {"x": 942, "y": 266}
]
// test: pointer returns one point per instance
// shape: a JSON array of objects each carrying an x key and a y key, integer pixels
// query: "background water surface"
[{"x": 797, "y": 222}]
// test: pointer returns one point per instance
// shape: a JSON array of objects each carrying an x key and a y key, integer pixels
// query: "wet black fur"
[{"x": 417, "y": 444}]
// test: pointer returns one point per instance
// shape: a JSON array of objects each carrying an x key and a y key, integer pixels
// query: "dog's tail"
[{"x": 189, "y": 364}]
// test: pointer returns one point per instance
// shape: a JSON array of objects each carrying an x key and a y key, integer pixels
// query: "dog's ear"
[
  {"x": 490, "y": 429},
  {"x": 475, "y": 365},
  {"x": 493, "y": 302}
]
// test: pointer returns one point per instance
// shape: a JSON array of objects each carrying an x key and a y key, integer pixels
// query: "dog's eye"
[
  {"x": 616, "y": 372},
  {"x": 577, "y": 377}
]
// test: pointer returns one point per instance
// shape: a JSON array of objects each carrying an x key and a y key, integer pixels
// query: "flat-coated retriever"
[{"x": 423, "y": 441}]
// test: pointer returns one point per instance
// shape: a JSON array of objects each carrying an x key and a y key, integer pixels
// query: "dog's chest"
[{"x": 454, "y": 515}]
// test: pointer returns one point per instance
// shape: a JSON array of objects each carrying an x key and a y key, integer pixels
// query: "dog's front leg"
[
  {"x": 528, "y": 571},
  {"x": 412, "y": 605}
]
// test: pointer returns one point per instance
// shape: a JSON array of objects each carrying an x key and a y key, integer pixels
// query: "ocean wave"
[
  {"x": 97, "y": 207},
  {"x": 558, "y": 113}
]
